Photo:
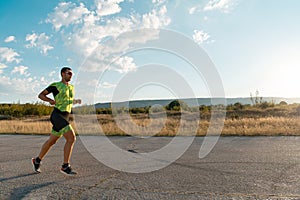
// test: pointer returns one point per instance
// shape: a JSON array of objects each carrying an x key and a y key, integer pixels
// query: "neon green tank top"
[{"x": 63, "y": 95}]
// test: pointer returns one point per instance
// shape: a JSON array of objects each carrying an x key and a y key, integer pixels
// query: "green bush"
[
  {"x": 177, "y": 105},
  {"x": 21, "y": 110},
  {"x": 283, "y": 103}
]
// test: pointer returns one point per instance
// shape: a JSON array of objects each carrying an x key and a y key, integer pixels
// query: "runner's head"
[
  {"x": 66, "y": 73},
  {"x": 65, "y": 69}
]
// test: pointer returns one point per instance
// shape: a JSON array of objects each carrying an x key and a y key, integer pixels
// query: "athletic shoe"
[
  {"x": 67, "y": 170},
  {"x": 36, "y": 165}
]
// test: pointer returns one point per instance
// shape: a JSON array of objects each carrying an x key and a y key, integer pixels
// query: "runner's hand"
[
  {"x": 52, "y": 102},
  {"x": 77, "y": 101}
]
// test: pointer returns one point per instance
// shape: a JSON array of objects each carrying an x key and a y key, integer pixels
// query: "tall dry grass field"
[
  {"x": 26, "y": 126},
  {"x": 263, "y": 126},
  {"x": 137, "y": 125}
]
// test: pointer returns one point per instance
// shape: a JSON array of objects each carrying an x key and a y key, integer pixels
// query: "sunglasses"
[{"x": 69, "y": 73}]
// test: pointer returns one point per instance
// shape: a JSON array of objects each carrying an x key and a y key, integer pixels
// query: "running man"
[{"x": 63, "y": 93}]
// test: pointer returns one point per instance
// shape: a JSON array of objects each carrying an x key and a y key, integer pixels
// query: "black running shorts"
[{"x": 60, "y": 121}]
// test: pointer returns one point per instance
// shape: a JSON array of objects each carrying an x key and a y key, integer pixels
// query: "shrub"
[
  {"x": 283, "y": 103},
  {"x": 20, "y": 110},
  {"x": 177, "y": 105},
  {"x": 265, "y": 105},
  {"x": 238, "y": 106}
]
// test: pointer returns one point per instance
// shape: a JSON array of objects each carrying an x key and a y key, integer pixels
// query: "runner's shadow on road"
[
  {"x": 16, "y": 177},
  {"x": 21, "y": 192}
]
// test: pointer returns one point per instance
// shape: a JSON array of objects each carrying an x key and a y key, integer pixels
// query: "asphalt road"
[{"x": 237, "y": 168}]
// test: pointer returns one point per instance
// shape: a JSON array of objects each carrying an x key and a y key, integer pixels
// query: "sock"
[
  {"x": 38, "y": 160},
  {"x": 65, "y": 165}
]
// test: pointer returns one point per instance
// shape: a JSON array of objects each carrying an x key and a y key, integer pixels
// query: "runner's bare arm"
[{"x": 43, "y": 96}]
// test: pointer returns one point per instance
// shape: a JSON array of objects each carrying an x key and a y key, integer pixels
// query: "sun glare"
[{"x": 282, "y": 77}]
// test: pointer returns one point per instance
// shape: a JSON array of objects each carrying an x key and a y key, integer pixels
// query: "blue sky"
[{"x": 255, "y": 45}]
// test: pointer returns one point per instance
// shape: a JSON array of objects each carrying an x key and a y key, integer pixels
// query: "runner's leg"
[
  {"x": 70, "y": 140},
  {"x": 47, "y": 145}
]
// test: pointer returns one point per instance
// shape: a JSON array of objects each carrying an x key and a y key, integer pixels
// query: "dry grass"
[
  {"x": 24, "y": 127},
  {"x": 263, "y": 126},
  {"x": 142, "y": 125}
]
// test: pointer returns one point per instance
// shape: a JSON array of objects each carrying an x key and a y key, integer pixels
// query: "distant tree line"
[
  {"x": 22, "y": 110},
  {"x": 41, "y": 109},
  {"x": 177, "y": 105}
]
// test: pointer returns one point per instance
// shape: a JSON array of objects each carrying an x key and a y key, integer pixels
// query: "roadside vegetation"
[{"x": 258, "y": 118}]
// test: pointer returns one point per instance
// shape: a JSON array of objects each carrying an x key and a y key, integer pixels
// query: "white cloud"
[
  {"x": 105, "y": 7},
  {"x": 156, "y": 19},
  {"x": 10, "y": 39},
  {"x": 125, "y": 64},
  {"x": 92, "y": 30},
  {"x": 192, "y": 10},
  {"x": 30, "y": 79},
  {"x": 2, "y": 66},
  {"x": 86, "y": 39},
  {"x": 26, "y": 87},
  {"x": 223, "y": 5},
  {"x": 39, "y": 41},
  {"x": 107, "y": 85},
  {"x": 52, "y": 73},
  {"x": 5, "y": 85},
  {"x": 92, "y": 82},
  {"x": 66, "y": 13},
  {"x": 9, "y": 55},
  {"x": 200, "y": 36},
  {"x": 91, "y": 18},
  {"x": 107, "y": 55},
  {"x": 21, "y": 70},
  {"x": 158, "y": 2}
]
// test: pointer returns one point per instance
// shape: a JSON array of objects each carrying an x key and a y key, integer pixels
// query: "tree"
[
  {"x": 238, "y": 106},
  {"x": 177, "y": 105},
  {"x": 283, "y": 103}
]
